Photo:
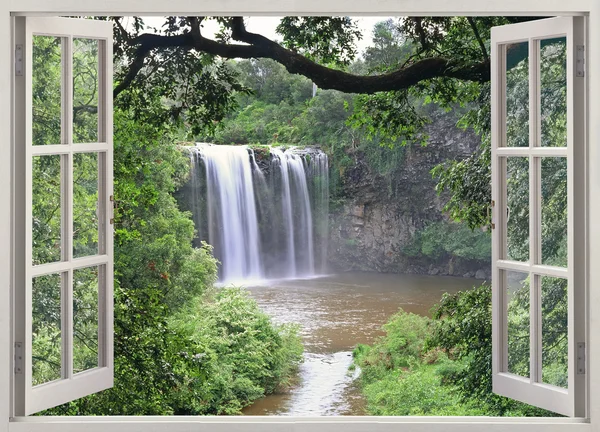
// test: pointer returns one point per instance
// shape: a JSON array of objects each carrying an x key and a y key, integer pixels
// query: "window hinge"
[
  {"x": 580, "y": 358},
  {"x": 112, "y": 199},
  {"x": 580, "y": 61},
  {"x": 19, "y": 60},
  {"x": 18, "y": 357}
]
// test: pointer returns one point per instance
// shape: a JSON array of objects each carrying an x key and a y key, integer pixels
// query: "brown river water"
[{"x": 336, "y": 313}]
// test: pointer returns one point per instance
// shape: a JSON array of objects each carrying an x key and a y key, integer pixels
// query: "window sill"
[{"x": 300, "y": 424}]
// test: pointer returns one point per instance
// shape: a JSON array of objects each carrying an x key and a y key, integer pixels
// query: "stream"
[{"x": 336, "y": 313}]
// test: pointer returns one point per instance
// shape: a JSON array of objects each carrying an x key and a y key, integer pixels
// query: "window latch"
[{"x": 115, "y": 208}]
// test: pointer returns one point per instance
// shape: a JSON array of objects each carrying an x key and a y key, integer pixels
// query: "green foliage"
[
  {"x": 323, "y": 39},
  {"x": 168, "y": 360},
  {"x": 462, "y": 328},
  {"x": 442, "y": 365},
  {"x": 398, "y": 377},
  {"x": 469, "y": 187},
  {"x": 440, "y": 240},
  {"x": 242, "y": 354},
  {"x": 389, "y": 116},
  {"x": 388, "y": 49}
]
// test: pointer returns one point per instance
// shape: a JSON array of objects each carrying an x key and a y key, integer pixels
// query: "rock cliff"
[{"x": 379, "y": 214}]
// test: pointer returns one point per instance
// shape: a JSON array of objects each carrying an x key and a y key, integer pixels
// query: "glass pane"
[
  {"x": 517, "y": 95},
  {"x": 554, "y": 331},
  {"x": 553, "y": 92},
  {"x": 517, "y": 193},
  {"x": 85, "y": 90},
  {"x": 517, "y": 291},
  {"x": 46, "y": 90},
  {"x": 85, "y": 319},
  {"x": 85, "y": 204},
  {"x": 554, "y": 211},
  {"x": 46, "y": 328},
  {"x": 46, "y": 209}
]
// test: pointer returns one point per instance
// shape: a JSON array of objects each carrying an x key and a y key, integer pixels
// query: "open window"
[
  {"x": 63, "y": 303},
  {"x": 538, "y": 189},
  {"x": 63, "y": 327}
]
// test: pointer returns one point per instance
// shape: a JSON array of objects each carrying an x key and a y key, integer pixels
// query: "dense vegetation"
[
  {"x": 182, "y": 346},
  {"x": 439, "y": 365}
]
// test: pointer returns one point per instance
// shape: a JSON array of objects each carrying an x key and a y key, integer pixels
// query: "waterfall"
[
  {"x": 233, "y": 225},
  {"x": 265, "y": 214},
  {"x": 290, "y": 247}
]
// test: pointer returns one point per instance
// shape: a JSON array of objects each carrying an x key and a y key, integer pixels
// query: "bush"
[
  {"x": 399, "y": 377},
  {"x": 444, "y": 239},
  {"x": 241, "y": 354}
]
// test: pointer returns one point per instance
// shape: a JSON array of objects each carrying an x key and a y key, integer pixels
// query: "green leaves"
[
  {"x": 322, "y": 39},
  {"x": 245, "y": 355},
  {"x": 445, "y": 239},
  {"x": 390, "y": 117},
  {"x": 468, "y": 183}
]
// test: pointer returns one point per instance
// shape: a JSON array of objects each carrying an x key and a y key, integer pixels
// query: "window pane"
[
  {"x": 553, "y": 92},
  {"x": 517, "y": 193},
  {"x": 517, "y": 95},
  {"x": 85, "y": 90},
  {"x": 46, "y": 328},
  {"x": 85, "y": 204},
  {"x": 85, "y": 319},
  {"x": 554, "y": 211},
  {"x": 554, "y": 331},
  {"x": 46, "y": 90},
  {"x": 517, "y": 291},
  {"x": 46, "y": 209}
]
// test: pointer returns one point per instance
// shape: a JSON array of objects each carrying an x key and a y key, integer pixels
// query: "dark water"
[{"x": 337, "y": 312}]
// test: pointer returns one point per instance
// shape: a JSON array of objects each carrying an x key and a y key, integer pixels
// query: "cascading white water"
[
  {"x": 301, "y": 226},
  {"x": 232, "y": 211},
  {"x": 286, "y": 201},
  {"x": 320, "y": 172},
  {"x": 261, "y": 226}
]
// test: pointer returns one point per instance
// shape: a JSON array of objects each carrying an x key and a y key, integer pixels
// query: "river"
[{"x": 337, "y": 312}]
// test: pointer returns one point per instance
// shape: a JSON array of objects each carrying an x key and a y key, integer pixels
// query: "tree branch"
[
  {"x": 478, "y": 37},
  {"x": 259, "y": 46}
]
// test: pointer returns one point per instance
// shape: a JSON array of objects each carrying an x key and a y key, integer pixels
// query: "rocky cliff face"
[{"x": 377, "y": 219}]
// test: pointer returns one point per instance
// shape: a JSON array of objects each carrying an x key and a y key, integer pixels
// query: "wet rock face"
[{"x": 370, "y": 230}]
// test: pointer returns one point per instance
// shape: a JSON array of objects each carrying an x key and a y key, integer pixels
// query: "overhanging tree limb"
[{"x": 258, "y": 46}]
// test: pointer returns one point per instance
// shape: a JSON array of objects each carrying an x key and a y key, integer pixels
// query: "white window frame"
[
  {"x": 30, "y": 399},
  {"x": 569, "y": 401},
  {"x": 590, "y": 8}
]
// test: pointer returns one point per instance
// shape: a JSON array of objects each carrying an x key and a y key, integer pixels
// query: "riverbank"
[
  {"x": 336, "y": 313},
  {"x": 438, "y": 366}
]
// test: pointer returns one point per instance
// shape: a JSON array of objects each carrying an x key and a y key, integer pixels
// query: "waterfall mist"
[{"x": 265, "y": 214}]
